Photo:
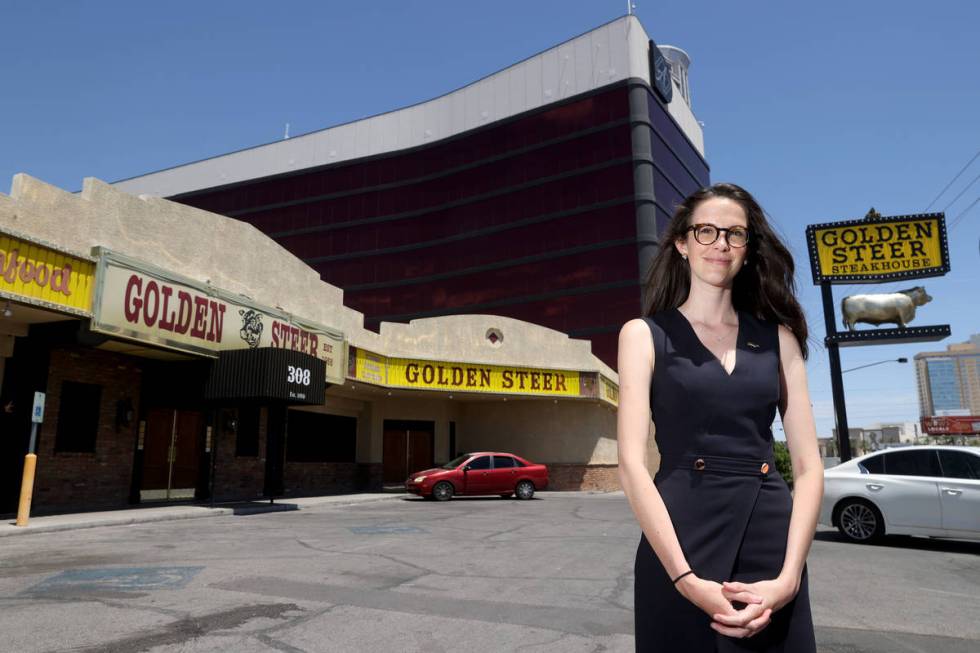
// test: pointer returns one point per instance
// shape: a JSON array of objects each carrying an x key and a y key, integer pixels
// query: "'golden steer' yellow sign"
[
  {"x": 879, "y": 249},
  {"x": 415, "y": 374}
]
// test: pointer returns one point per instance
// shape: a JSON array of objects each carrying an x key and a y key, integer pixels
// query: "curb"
[{"x": 186, "y": 512}]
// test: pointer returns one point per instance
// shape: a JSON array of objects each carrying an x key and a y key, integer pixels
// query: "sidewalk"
[{"x": 142, "y": 515}]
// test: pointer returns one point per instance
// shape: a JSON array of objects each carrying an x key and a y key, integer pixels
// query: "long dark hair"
[{"x": 764, "y": 287}]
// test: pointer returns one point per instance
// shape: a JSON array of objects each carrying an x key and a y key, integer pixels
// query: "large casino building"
[
  {"x": 443, "y": 278},
  {"x": 535, "y": 193}
]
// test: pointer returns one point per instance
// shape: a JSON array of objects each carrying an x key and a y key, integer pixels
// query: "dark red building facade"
[{"x": 549, "y": 216}]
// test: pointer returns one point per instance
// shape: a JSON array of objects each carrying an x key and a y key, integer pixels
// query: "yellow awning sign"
[
  {"x": 608, "y": 391},
  {"x": 43, "y": 276},
  {"x": 447, "y": 376},
  {"x": 879, "y": 249}
]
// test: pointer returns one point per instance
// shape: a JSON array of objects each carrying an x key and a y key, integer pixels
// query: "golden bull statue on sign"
[{"x": 892, "y": 308}]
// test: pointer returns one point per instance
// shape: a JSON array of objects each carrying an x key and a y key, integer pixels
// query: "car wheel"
[
  {"x": 443, "y": 491},
  {"x": 859, "y": 521},
  {"x": 524, "y": 490}
]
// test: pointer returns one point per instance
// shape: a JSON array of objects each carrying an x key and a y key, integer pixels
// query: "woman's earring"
[
  {"x": 684, "y": 256},
  {"x": 745, "y": 261}
]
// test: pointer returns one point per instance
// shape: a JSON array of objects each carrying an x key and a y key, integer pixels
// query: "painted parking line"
[
  {"x": 385, "y": 530},
  {"x": 120, "y": 579}
]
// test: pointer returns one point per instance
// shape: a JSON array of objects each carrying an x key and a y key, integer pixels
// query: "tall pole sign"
[
  {"x": 30, "y": 463},
  {"x": 876, "y": 249}
]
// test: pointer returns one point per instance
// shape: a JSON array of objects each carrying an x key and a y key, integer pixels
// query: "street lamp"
[{"x": 890, "y": 360}]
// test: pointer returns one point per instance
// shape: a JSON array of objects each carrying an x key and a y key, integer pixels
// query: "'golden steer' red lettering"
[
  {"x": 155, "y": 305},
  {"x": 480, "y": 378},
  {"x": 292, "y": 337}
]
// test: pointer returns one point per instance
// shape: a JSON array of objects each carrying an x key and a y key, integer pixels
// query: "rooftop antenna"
[
  {"x": 630, "y": 6},
  {"x": 286, "y": 135}
]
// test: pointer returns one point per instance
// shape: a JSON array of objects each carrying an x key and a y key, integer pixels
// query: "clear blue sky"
[{"x": 821, "y": 109}]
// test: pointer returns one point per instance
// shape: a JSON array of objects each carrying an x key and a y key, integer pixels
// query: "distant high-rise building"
[{"x": 949, "y": 381}]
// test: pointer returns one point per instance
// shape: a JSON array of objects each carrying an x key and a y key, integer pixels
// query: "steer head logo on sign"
[{"x": 251, "y": 331}]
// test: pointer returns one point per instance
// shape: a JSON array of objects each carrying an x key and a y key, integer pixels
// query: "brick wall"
[
  {"x": 238, "y": 477},
  {"x": 70, "y": 480},
  {"x": 564, "y": 476},
  {"x": 311, "y": 479}
]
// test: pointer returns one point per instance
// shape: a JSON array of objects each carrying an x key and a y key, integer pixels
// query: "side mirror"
[{"x": 467, "y": 468}]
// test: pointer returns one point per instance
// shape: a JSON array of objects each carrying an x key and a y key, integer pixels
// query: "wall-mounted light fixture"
[{"x": 124, "y": 413}]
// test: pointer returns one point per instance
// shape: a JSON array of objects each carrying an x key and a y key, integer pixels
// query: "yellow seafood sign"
[
  {"x": 879, "y": 249},
  {"x": 473, "y": 377},
  {"x": 43, "y": 276}
]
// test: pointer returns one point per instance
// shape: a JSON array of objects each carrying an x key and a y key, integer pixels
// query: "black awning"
[{"x": 267, "y": 374}]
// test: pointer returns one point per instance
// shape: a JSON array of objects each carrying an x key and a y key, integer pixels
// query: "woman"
[{"x": 721, "y": 563}]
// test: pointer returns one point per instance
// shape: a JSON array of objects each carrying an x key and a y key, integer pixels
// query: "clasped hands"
[{"x": 760, "y": 600}]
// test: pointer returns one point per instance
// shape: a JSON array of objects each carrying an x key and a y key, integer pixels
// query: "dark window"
[
  {"x": 503, "y": 462},
  {"x": 912, "y": 463},
  {"x": 873, "y": 465},
  {"x": 78, "y": 417},
  {"x": 452, "y": 440},
  {"x": 483, "y": 462},
  {"x": 320, "y": 438},
  {"x": 247, "y": 435},
  {"x": 960, "y": 464},
  {"x": 518, "y": 463}
]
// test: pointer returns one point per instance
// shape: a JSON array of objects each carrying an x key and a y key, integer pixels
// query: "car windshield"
[{"x": 456, "y": 462}]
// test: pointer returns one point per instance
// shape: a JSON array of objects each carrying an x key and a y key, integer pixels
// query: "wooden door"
[
  {"x": 187, "y": 440},
  {"x": 419, "y": 450},
  {"x": 393, "y": 455},
  {"x": 156, "y": 449}
]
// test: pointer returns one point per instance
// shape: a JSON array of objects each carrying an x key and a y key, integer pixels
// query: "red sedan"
[{"x": 485, "y": 472}]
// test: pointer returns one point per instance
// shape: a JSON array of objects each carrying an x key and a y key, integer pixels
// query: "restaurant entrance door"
[{"x": 408, "y": 447}]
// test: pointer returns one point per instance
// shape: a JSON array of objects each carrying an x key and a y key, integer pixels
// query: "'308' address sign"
[{"x": 298, "y": 375}]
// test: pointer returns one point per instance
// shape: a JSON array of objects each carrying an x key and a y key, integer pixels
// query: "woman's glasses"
[{"x": 707, "y": 234}]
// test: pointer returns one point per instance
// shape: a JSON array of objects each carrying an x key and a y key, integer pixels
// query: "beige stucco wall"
[
  {"x": 540, "y": 429},
  {"x": 464, "y": 338}
]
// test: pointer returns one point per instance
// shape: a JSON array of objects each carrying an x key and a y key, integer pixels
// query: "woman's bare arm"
[
  {"x": 636, "y": 359},
  {"x": 801, "y": 437}
]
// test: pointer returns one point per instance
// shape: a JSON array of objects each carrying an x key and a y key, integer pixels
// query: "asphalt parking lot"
[{"x": 487, "y": 574}]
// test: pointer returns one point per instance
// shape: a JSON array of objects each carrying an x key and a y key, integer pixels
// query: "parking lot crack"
[
  {"x": 586, "y": 622},
  {"x": 618, "y": 592},
  {"x": 191, "y": 628}
]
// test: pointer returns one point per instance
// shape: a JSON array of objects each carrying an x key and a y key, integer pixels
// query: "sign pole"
[
  {"x": 30, "y": 464},
  {"x": 836, "y": 376}
]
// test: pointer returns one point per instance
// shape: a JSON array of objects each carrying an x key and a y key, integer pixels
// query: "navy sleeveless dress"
[{"x": 729, "y": 506}]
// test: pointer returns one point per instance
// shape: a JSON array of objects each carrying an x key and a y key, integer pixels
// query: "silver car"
[{"x": 925, "y": 490}]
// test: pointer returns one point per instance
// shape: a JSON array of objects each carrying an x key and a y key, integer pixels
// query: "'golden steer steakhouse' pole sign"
[{"x": 874, "y": 250}]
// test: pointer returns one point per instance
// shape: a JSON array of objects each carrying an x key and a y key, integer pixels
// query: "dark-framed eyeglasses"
[{"x": 707, "y": 234}]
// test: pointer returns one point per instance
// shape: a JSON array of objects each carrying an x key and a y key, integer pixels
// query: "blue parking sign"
[{"x": 37, "y": 415}]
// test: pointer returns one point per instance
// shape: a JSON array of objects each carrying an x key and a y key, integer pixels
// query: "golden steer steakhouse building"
[{"x": 184, "y": 356}]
